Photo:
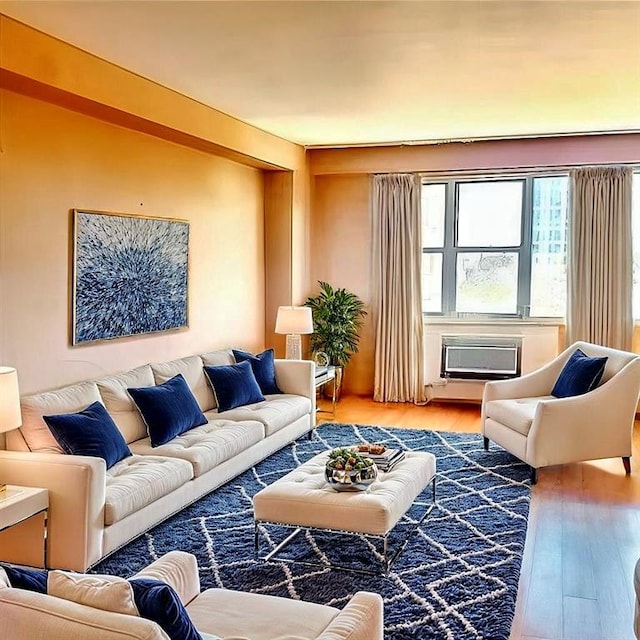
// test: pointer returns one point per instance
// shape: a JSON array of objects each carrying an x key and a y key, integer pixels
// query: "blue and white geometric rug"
[{"x": 457, "y": 578}]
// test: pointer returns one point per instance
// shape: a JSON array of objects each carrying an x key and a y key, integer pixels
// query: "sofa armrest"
[
  {"x": 361, "y": 619},
  {"x": 296, "y": 377},
  {"x": 76, "y": 487},
  {"x": 179, "y": 570},
  {"x": 27, "y": 615}
]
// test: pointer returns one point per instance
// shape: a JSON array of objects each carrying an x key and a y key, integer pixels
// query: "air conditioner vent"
[{"x": 469, "y": 357}]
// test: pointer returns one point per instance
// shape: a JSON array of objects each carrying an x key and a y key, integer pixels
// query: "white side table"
[
  {"x": 18, "y": 504},
  {"x": 328, "y": 376}
]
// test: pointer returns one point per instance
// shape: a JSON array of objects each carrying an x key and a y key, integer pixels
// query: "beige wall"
[
  {"x": 341, "y": 247},
  {"x": 79, "y": 132},
  {"x": 340, "y": 213},
  {"x": 54, "y": 160}
]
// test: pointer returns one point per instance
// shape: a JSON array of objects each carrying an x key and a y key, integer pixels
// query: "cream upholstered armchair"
[{"x": 524, "y": 418}]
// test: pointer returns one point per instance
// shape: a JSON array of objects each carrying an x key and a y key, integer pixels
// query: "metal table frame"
[{"x": 330, "y": 375}]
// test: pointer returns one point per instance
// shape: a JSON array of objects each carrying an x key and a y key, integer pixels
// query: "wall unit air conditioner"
[{"x": 480, "y": 357}]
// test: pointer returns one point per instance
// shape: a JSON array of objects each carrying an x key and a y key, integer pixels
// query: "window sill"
[{"x": 537, "y": 322}]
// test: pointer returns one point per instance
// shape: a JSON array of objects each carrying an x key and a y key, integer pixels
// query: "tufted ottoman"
[{"x": 304, "y": 500}]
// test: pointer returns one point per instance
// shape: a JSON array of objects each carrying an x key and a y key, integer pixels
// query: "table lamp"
[
  {"x": 294, "y": 321},
  {"x": 10, "y": 417}
]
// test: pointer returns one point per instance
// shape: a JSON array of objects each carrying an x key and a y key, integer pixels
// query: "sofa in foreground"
[
  {"x": 93, "y": 509},
  {"x": 216, "y": 613}
]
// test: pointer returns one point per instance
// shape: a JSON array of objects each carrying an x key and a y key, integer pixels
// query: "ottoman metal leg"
[
  {"x": 283, "y": 544},
  {"x": 388, "y": 555}
]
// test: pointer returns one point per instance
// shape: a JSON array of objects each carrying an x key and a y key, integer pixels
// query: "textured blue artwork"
[{"x": 130, "y": 275}]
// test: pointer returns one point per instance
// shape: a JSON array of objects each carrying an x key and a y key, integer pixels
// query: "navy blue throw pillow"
[
  {"x": 580, "y": 374},
  {"x": 91, "y": 432},
  {"x": 157, "y": 601},
  {"x": 168, "y": 409},
  {"x": 29, "y": 579},
  {"x": 234, "y": 385},
  {"x": 264, "y": 369}
]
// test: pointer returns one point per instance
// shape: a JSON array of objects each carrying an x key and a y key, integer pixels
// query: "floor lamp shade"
[
  {"x": 10, "y": 417},
  {"x": 294, "y": 321}
]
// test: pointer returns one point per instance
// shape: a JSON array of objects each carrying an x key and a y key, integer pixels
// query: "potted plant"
[{"x": 338, "y": 315}]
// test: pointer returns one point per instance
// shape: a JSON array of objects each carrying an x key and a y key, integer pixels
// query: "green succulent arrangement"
[
  {"x": 338, "y": 315},
  {"x": 348, "y": 460}
]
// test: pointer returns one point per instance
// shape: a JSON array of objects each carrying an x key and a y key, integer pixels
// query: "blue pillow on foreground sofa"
[{"x": 151, "y": 599}]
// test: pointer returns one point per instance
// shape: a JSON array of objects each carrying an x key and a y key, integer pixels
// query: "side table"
[
  {"x": 328, "y": 375},
  {"x": 18, "y": 504}
]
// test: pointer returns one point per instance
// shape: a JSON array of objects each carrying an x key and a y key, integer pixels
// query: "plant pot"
[{"x": 339, "y": 379}]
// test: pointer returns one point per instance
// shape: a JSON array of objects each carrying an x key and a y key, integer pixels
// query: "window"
[{"x": 495, "y": 246}]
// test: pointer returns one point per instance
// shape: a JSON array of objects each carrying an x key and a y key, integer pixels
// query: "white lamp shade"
[
  {"x": 10, "y": 417},
  {"x": 294, "y": 320}
]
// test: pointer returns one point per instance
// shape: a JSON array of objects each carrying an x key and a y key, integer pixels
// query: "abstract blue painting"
[{"x": 130, "y": 275}]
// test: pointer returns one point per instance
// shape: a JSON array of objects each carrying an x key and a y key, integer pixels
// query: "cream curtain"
[
  {"x": 600, "y": 257},
  {"x": 397, "y": 255}
]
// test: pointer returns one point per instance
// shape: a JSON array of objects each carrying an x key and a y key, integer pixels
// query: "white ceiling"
[{"x": 334, "y": 73}]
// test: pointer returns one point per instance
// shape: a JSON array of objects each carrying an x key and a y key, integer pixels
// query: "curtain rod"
[{"x": 522, "y": 171}]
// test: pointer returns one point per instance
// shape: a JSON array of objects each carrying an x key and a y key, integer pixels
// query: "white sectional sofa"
[
  {"x": 220, "y": 613},
  {"x": 94, "y": 510}
]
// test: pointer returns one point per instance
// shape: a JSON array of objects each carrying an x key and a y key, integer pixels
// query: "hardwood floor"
[{"x": 583, "y": 538}]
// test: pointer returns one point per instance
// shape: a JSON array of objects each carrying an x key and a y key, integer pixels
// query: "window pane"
[
  {"x": 635, "y": 209},
  {"x": 489, "y": 214},
  {"x": 549, "y": 247},
  {"x": 487, "y": 282},
  {"x": 432, "y": 282},
  {"x": 433, "y": 203}
]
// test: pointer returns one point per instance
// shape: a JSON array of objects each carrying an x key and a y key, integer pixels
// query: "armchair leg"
[
  {"x": 485, "y": 442},
  {"x": 534, "y": 475},
  {"x": 626, "y": 461}
]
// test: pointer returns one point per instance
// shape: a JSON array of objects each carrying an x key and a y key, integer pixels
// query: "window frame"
[{"x": 450, "y": 248}]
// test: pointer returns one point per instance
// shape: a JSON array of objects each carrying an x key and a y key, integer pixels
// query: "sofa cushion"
[
  {"x": 218, "y": 358},
  {"x": 237, "y": 614},
  {"x": 517, "y": 413},
  {"x": 233, "y": 385},
  {"x": 275, "y": 412},
  {"x": 207, "y": 446},
  {"x": 579, "y": 375},
  {"x": 138, "y": 481},
  {"x": 168, "y": 409},
  {"x": 90, "y": 432},
  {"x": 65, "y": 400},
  {"x": 144, "y": 597},
  {"x": 119, "y": 404},
  {"x": 192, "y": 371},
  {"x": 263, "y": 366},
  {"x": 108, "y": 593}
]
